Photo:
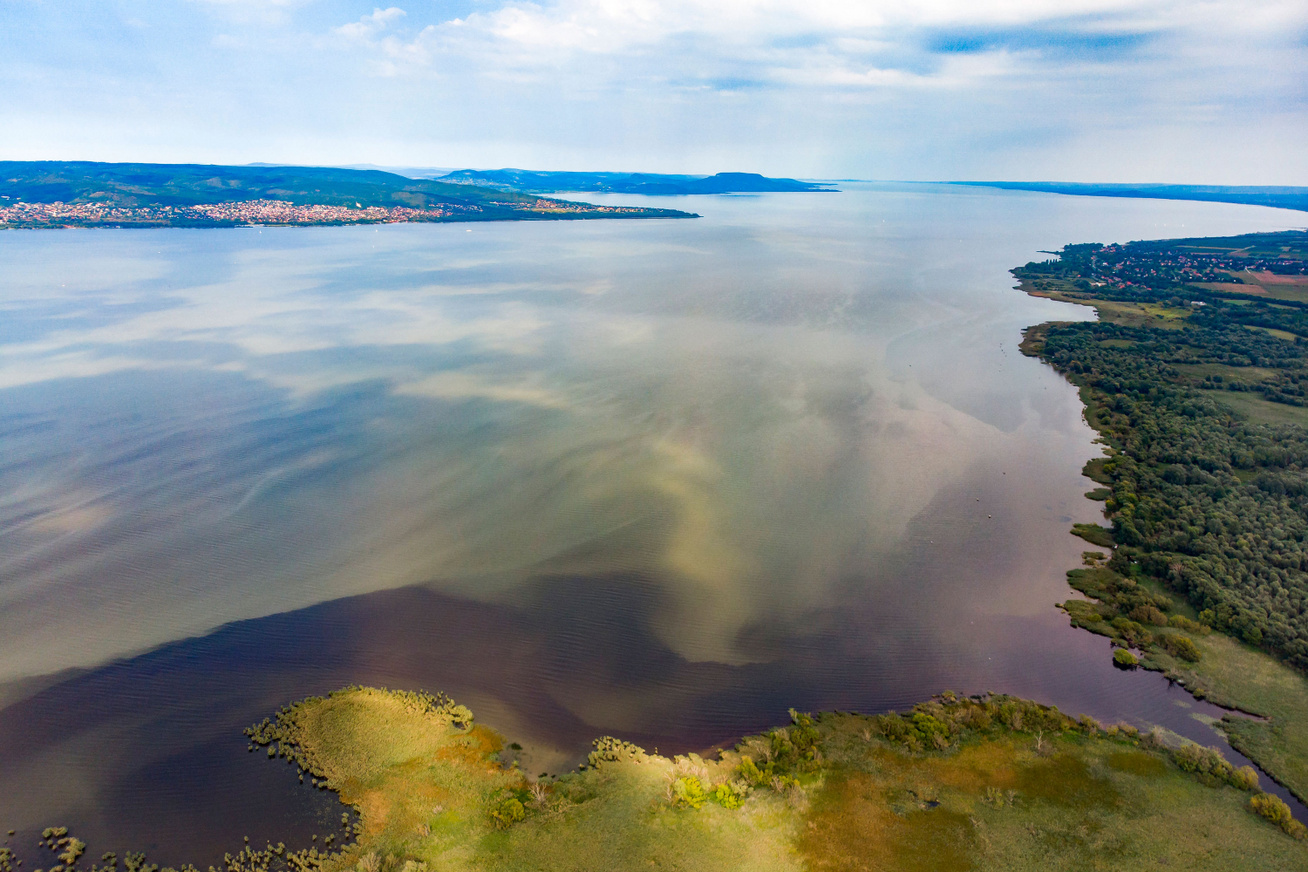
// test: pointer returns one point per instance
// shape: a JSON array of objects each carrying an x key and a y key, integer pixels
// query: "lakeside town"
[
  {"x": 1142, "y": 265},
  {"x": 264, "y": 212}
]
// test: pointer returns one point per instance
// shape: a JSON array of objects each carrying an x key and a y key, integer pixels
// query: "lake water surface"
[{"x": 662, "y": 479}]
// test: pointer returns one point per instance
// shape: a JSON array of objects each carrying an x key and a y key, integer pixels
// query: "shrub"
[
  {"x": 508, "y": 812},
  {"x": 1180, "y": 646},
  {"x": 1124, "y": 659},
  {"x": 930, "y": 729},
  {"x": 1275, "y": 810},
  {"x": 750, "y": 773},
  {"x": 782, "y": 749},
  {"x": 1147, "y": 614},
  {"x": 1133, "y": 632},
  {"x": 1208, "y": 763},
  {"x": 1245, "y": 778},
  {"x": 804, "y": 736},
  {"x": 688, "y": 792},
  {"x": 730, "y": 794},
  {"x": 783, "y": 783},
  {"x": 974, "y": 717},
  {"x": 892, "y": 726},
  {"x": 1181, "y": 622}
]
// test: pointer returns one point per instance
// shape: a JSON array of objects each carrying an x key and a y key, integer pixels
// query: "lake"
[{"x": 660, "y": 479}]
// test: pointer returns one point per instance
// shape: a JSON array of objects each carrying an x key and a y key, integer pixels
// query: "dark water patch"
[{"x": 157, "y": 742}]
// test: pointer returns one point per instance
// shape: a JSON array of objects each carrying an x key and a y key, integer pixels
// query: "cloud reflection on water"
[{"x": 209, "y": 426}]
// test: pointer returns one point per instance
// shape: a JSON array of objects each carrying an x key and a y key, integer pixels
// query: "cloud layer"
[{"x": 1157, "y": 90}]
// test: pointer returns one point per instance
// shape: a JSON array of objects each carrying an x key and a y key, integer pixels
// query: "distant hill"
[
  {"x": 1282, "y": 197},
  {"x": 648, "y": 184},
  {"x": 132, "y": 189}
]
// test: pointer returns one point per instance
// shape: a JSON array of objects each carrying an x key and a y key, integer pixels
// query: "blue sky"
[{"x": 1085, "y": 90}]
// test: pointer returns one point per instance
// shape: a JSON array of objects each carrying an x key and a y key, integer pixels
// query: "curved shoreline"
[{"x": 1254, "y": 731}]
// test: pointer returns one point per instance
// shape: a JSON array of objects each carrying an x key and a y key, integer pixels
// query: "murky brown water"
[{"x": 660, "y": 479}]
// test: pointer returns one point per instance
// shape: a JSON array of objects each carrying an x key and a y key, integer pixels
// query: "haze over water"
[{"x": 655, "y": 478}]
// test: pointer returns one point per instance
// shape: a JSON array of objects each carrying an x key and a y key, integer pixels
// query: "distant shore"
[
  {"x": 278, "y": 213},
  {"x": 58, "y": 194}
]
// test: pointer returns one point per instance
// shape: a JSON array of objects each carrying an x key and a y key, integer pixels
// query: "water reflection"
[{"x": 664, "y": 478}]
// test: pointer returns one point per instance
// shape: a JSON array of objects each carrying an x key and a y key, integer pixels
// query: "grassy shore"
[
  {"x": 977, "y": 783},
  {"x": 956, "y": 783}
]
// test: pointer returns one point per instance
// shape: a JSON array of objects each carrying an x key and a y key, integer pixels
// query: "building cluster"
[
  {"x": 270, "y": 212},
  {"x": 1126, "y": 266},
  {"x": 260, "y": 212}
]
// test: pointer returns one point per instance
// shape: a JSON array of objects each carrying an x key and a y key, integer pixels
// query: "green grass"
[
  {"x": 1241, "y": 374},
  {"x": 1115, "y": 311},
  {"x": 1259, "y": 411},
  {"x": 1236, "y": 676},
  {"x": 1094, "y": 534},
  {"x": 1228, "y": 673}
]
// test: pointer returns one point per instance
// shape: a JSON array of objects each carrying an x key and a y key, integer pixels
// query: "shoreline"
[
  {"x": 955, "y": 782},
  {"x": 1199, "y": 664}
]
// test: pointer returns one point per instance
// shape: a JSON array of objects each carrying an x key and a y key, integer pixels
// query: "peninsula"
[
  {"x": 43, "y": 194},
  {"x": 957, "y": 783}
]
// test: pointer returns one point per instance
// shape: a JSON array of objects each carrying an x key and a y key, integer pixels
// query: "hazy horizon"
[{"x": 1093, "y": 91}]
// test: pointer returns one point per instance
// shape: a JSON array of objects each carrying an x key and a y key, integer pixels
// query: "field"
[
  {"x": 1260, "y": 411},
  {"x": 1263, "y": 284}
]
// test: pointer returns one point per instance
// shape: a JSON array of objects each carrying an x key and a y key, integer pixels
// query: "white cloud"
[
  {"x": 369, "y": 26},
  {"x": 795, "y": 87}
]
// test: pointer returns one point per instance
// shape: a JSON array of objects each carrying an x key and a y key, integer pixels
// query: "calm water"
[{"x": 660, "y": 479}]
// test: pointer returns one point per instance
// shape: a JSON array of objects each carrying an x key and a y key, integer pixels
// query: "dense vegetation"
[
  {"x": 987, "y": 782},
  {"x": 1282, "y": 196},
  {"x": 132, "y": 185},
  {"x": 1207, "y": 495}
]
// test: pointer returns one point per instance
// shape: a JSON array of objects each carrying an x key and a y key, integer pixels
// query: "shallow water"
[{"x": 662, "y": 479}]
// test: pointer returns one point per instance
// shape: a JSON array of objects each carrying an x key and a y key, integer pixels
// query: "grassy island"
[
  {"x": 1195, "y": 378},
  {"x": 956, "y": 783}
]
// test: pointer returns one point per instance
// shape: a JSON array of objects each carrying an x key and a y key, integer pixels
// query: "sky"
[{"x": 1186, "y": 91}]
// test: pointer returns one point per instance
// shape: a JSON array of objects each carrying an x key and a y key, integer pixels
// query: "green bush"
[
  {"x": 730, "y": 794},
  {"x": 1133, "y": 632},
  {"x": 1125, "y": 659},
  {"x": 1180, "y": 646},
  {"x": 1245, "y": 778},
  {"x": 508, "y": 812},
  {"x": 1181, "y": 622},
  {"x": 1207, "y": 763},
  {"x": 688, "y": 792},
  {"x": 1148, "y": 614},
  {"x": 1275, "y": 810},
  {"x": 750, "y": 773}
]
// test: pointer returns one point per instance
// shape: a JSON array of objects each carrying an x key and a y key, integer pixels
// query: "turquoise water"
[{"x": 662, "y": 479}]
